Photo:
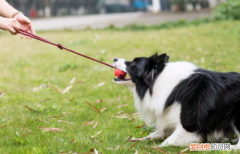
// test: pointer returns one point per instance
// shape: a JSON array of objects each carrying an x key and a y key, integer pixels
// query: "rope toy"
[{"x": 118, "y": 73}]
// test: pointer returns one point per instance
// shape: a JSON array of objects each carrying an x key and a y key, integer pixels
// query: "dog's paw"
[{"x": 235, "y": 147}]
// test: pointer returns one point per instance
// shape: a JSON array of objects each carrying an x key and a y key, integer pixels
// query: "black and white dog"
[{"x": 187, "y": 104}]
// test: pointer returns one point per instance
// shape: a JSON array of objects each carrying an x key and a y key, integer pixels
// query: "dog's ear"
[{"x": 158, "y": 60}]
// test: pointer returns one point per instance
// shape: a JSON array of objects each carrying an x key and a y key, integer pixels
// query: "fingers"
[
  {"x": 12, "y": 31},
  {"x": 32, "y": 30},
  {"x": 16, "y": 25}
]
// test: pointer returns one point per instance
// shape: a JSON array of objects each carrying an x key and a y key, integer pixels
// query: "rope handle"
[{"x": 60, "y": 46}]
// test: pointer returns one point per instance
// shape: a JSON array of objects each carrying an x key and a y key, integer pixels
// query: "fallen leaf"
[
  {"x": 51, "y": 129},
  {"x": 160, "y": 150},
  {"x": 122, "y": 105},
  {"x": 133, "y": 139},
  {"x": 3, "y": 126},
  {"x": 141, "y": 126},
  {"x": 96, "y": 134},
  {"x": 54, "y": 88},
  {"x": 25, "y": 135},
  {"x": 103, "y": 109},
  {"x": 184, "y": 150},
  {"x": 65, "y": 121},
  {"x": 136, "y": 152},
  {"x": 35, "y": 89},
  {"x": 119, "y": 112},
  {"x": 29, "y": 108},
  {"x": 114, "y": 148},
  {"x": 80, "y": 82},
  {"x": 73, "y": 141},
  {"x": 86, "y": 123},
  {"x": 98, "y": 101},
  {"x": 118, "y": 99},
  {"x": 133, "y": 145},
  {"x": 95, "y": 125},
  {"x": 2, "y": 94},
  {"x": 45, "y": 100},
  {"x": 42, "y": 121},
  {"x": 56, "y": 116},
  {"x": 67, "y": 89},
  {"x": 73, "y": 80},
  {"x": 93, "y": 107},
  {"x": 100, "y": 85},
  {"x": 93, "y": 151},
  {"x": 122, "y": 116},
  {"x": 136, "y": 115}
]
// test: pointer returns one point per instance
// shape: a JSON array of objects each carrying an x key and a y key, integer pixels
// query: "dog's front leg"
[
  {"x": 154, "y": 135},
  {"x": 181, "y": 137}
]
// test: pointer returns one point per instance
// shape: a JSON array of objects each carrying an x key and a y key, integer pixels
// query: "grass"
[{"x": 25, "y": 64}]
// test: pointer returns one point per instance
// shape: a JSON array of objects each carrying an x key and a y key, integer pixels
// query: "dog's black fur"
[
  {"x": 210, "y": 101},
  {"x": 144, "y": 71}
]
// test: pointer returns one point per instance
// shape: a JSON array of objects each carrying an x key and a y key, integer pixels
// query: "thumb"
[{"x": 23, "y": 19}]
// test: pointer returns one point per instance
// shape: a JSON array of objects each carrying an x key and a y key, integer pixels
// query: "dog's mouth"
[{"x": 126, "y": 78}]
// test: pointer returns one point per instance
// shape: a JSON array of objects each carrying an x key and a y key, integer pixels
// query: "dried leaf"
[
  {"x": 67, "y": 89},
  {"x": 119, "y": 112},
  {"x": 42, "y": 121},
  {"x": 118, "y": 99},
  {"x": 93, "y": 151},
  {"x": 100, "y": 85},
  {"x": 65, "y": 121},
  {"x": 73, "y": 80},
  {"x": 56, "y": 116},
  {"x": 184, "y": 150},
  {"x": 133, "y": 145},
  {"x": 114, "y": 148},
  {"x": 80, "y": 82},
  {"x": 133, "y": 139},
  {"x": 93, "y": 107},
  {"x": 86, "y": 123},
  {"x": 29, "y": 108},
  {"x": 122, "y": 105},
  {"x": 95, "y": 125},
  {"x": 96, "y": 134},
  {"x": 122, "y": 116},
  {"x": 51, "y": 129},
  {"x": 40, "y": 87},
  {"x": 98, "y": 101},
  {"x": 141, "y": 126},
  {"x": 103, "y": 109},
  {"x": 54, "y": 88},
  {"x": 2, "y": 94},
  {"x": 25, "y": 135},
  {"x": 3, "y": 126},
  {"x": 160, "y": 150},
  {"x": 136, "y": 115},
  {"x": 45, "y": 100},
  {"x": 73, "y": 141}
]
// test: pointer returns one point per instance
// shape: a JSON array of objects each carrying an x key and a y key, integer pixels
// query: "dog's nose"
[{"x": 115, "y": 60}]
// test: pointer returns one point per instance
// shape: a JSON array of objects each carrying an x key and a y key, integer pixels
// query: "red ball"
[{"x": 120, "y": 74}]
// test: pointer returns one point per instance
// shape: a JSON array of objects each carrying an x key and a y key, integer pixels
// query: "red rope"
[{"x": 60, "y": 46}]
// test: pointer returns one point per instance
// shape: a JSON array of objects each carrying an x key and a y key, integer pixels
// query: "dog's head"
[{"x": 142, "y": 71}]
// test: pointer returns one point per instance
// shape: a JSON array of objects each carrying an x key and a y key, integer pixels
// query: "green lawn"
[{"x": 25, "y": 64}]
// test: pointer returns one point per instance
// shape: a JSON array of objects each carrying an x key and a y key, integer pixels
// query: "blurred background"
[
  {"x": 96, "y": 14},
  {"x": 52, "y": 8}
]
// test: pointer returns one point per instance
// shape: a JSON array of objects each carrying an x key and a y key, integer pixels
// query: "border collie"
[{"x": 185, "y": 103}]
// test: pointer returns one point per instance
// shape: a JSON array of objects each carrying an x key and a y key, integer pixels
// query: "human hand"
[
  {"x": 10, "y": 24},
  {"x": 25, "y": 23}
]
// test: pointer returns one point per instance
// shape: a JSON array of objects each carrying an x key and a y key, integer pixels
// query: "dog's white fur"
[{"x": 151, "y": 108}]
